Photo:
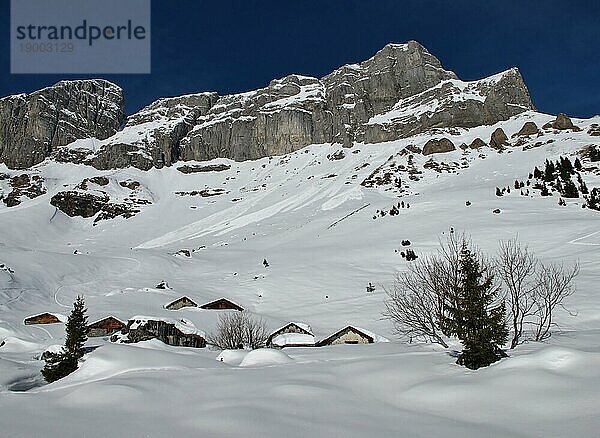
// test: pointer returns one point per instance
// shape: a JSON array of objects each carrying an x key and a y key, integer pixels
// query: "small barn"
[
  {"x": 222, "y": 304},
  {"x": 180, "y": 303},
  {"x": 352, "y": 335},
  {"x": 293, "y": 334},
  {"x": 42, "y": 318},
  {"x": 105, "y": 327},
  {"x": 180, "y": 333}
]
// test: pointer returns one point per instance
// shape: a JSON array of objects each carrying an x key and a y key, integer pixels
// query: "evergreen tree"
[
  {"x": 549, "y": 171},
  {"x": 544, "y": 191},
  {"x": 537, "y": 173},
  {"x": 570, "y": 190},
  {"x": 593, "y": 201},
  {"x": 498, "y": 191},
  {"x": 594, "y": 154},
  {"x": 565, "y": 169},
  {"x": 59, "y": 365},
  {"x": 471, "y": 317},
  {"x": 578, "y": 165},
  {"x": 582, "y": 186}
]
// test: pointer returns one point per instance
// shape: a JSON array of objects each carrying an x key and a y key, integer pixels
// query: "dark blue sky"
[{"x": 233, "y": 46}]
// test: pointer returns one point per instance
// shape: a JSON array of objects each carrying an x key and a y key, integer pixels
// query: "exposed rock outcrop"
[
  {"x": 529, "y": 128},
  {"x": 477, "y": 143},
  {"x": 25, "y": 185},
  {"x": 87, "y": 201},
  {"x": 562, "y": 123},
  {"x": 434, "y": 146},
  {"x": 499, "y": 139},
  {"x": 33, "y": 125},
  {"x": 74, "y": 203}
]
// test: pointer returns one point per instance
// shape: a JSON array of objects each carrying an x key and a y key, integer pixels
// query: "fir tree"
[
  {"x": 582, "y": 186},
  {"x": 565, "y": 169},
  {"x": 471, "y": 317},
  {"x": 593, "y": 201},
  {"x": 578, "y": 165},
  {"x": 570, "y": 190},
  {"x": 549, "y": 171},
  {"x": 59, "y": 365},
  {"x": 498, "y": 191},
  {"x": 537, "y": 173}
]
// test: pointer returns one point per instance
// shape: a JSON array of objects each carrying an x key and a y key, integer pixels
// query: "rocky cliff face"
[
  {"x": 33, "y": 125},
  {"x": 401, "y": 91}
]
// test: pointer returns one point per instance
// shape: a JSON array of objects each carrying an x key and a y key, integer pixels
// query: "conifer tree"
[
  {"x": 578, "y": 165},
  {"x": 570, "y": 190},
  {"x": 593, "y": 201},
  {"x": 471, "y": 316},
  {"x": 582, "y": 186},
  {"x": 549, "y": 171},
  {"x": 59, "y": 365}
]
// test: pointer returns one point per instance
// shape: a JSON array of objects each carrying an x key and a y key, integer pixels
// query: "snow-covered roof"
[
  {"x": 221, "y": 299},
  {"x": 183, "y": 325},
  {"x": 287, "y": 339},
  {"x": 59, "y": 316},
  {"x": 302, "y": 325},
  {"x": 104, "y": 319},
  {"x": 179, "y": 299},
  {"x": 375, "y": 337}
]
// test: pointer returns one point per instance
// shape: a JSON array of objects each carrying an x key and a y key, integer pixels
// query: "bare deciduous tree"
[
  {"x": 237, "y": 330},
  {"x": 516, "y": 266},
  {"x": 534, "y": 289},
  {"x": 554, "y": 283},
  {"x": 413, "y": 307},
  {"x": 417, "y": 298}
]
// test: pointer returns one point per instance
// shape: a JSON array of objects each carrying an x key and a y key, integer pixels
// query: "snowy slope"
[{"x": 309, "y": 216}]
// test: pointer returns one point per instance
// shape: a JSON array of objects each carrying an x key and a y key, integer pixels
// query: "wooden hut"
[
  {"x": 42, "y": 318},
  {"x": 352, "y": 335},
  {"x": 177, "y": 333},
  {"x": 180, "y": 303},
  {"x": 105, "y": 327},
  {"x": 222, "y": 304},
  {"x": 293, "y": 334}
]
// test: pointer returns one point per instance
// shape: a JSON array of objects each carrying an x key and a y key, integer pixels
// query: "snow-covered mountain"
[
  {"x": 401, "y": 91},
  {"x": 328, "y": 211}
]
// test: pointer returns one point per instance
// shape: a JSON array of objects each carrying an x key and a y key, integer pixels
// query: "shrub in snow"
[{"x": 238, "y": 330}]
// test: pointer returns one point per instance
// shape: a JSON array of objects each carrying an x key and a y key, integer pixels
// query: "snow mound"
[
  {"x": 232, "y": 357},
  {"x": 16, "y": 345},
  {"x": 265, "y": 357}
]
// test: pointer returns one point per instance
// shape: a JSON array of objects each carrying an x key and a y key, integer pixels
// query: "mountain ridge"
[{"x": 286, "y": 115}]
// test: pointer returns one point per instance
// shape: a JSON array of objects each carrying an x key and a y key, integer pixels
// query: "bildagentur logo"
[{"x": 83, "y": 36}]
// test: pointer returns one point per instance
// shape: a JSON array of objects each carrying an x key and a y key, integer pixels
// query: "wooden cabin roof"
[{"x": 221, "y": 301}]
